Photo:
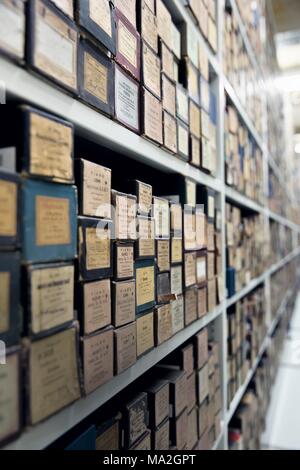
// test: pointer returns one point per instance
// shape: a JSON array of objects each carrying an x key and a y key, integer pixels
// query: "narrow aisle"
[{"x": 283, "y": 418}]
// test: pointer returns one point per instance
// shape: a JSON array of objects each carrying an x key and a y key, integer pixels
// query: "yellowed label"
[
  {"x": 66, "y": 5},
  {"x": 153, "y": 118},
  {"x": 190, "y": 269},
  {"x": 125, "y": 347},
  {"x": 164, "y": 323},
  {"x": 163, "y": 255},
  {"x": 177, "y": 309},
  {"x": 149, "y": 27},
  {"x": 99, "y": 12},
  {"x": 53, "y": 374},
  {"x": 161, "y": 217},
  {"x": 51, "y": 147},
  {"x": 176, "y": 218},
  {"x": 195, "y": 157},
  {"x": 195, "y": 123},
  {"x": 176, "y": 250},
  {"x": 121, "y": 217},
  {"x": 9, "y": 397},
  {"x": 189, "y": 231},
  {"x": 8, "y": 208},
  {"x": 170, "y": 133},
  {"x": 145, "y": 197},
  {"x": 167, "y": 62},
  {"x": 169, "y": 96},
  {"x": 97, "y": 360},
  {"x": 109, "y": 439},
  {"x": 52, "y": 225},
  {"x": 176, "y": 280},
  {"x": 146, "y": 242},
  {"x": 97, "y": 305},
  {"x": 128, "y": 8},
  {"x": 145, "y": 333},
  {"x": 151, "y": 71},
  {"x": 97, "y": 248},
  {"x": 127, "y": 44},
  {"x": 200, "y": 230},
  {"x": 124, "y": 302},
  {"x": 95, "y": 78},
  {"x": 190, "y": 193},
  {"x": 96, "y": 190},
  {"x": 145, "y": 291},
  {"x": 52, "y": 293},
  {"x": 124, "y": 261},
  {"x": 190, "y": 305},
  {"x": 4, "y": 301}
]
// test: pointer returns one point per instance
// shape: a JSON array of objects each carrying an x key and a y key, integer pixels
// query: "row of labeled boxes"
[{"x": 155, "y": 81}]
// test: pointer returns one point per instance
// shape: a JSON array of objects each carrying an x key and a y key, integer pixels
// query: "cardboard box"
[
  {"x": 201, "y": 267},
  {"x": 128, "y": 9},
  {"x": 124, "y": 215},
  {"x": 176, "y": 251},
  {"x": 163, "y": 324},
  {"x": 163, "y": 255},
  {"x": 147, "y": 25},
  {"x": 158, "y": 402},
  {"x": 145, "y": 285},
  {"x": 128, "y": 45},
  {"x": 10, "y": 318},
  {"x": 177, "y": 314},
  {"x": 192, "y": 428},
  {"x": 144, "y": 443},
  {"x": 127, "y": 100},
  {"x": 176, "y": 280},
  {"x": 108, "y": 434},
  {"x": 135, "y": 419},
  {"x": 203, "y": 417},
  {"x": 125, "y": 347},
  {"x": 179, "y": 431},
  {"x": 202, "y": 301},
  {"x": 176, "y": 220},
  {"x": 191, "y": 391},
  {"x": 191, "y": 304},
  {"x": 167, "y": 60},
  {"x": 190, "y": 269},
  {"x": 123, "y": 260},
  {"x": 145, "y": 244},
  {"x": 183, "y": 142},
  {"x": 161, "y": 436},
  {"x": 177, "y": 381},
  {"x": 170, "y": 132},
  {"x": 93, "y": 304},
  {"x": 145, "y": 333},
  {"x": 161, "y": 215},
  {"x": 123, "y": 305},
  {"x": 143, "y": 193},
  {"x": 151, "y": 70},
  {"x": 66, "y": 6},
  {"x": 202, "y": 376},
  {"x": 201, "y": 348},
  {"x": 195, "y": 151},
  {"x": 152, "y": 124}
]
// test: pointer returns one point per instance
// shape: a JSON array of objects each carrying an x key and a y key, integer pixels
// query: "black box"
[
  {"x": 96, "y": 78},
  {"x": 9, "y": 210},
  {"x": 135, "y": 419},
  {"x": 99, "y": 22},
  {"x": 10, "y": 305},
  {"x": 95, "y": 248}
]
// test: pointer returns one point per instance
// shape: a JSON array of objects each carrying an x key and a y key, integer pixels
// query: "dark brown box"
[
  {"x": 179, "y": 431},
  {"x": 161, "y": 436},
  {"x": 145, "y": 244},
  {"x": 123, "y": 260},
  {"x": 135, "y": 419},
  {"x": 158, "y": 402},
  {"x": 128, "y": 45},
  {"x": 163, "y": 324},
  {"x": 191, "y": 391},
  {"x": 123, "y": 302},
  {"x": 163, "y": 255},
  {"x": 192, "y": 428},
  {"x": 97, "y": 359},
  {"x": 151, "y": 70},
  {"x": 93, "y": 304},
  {"x": 170, "y": 132},
  {"x": 201, "y": 348},
  {"x": 152, "y": 123},
  {"x": 125, "y": 347},
  {"x": 127, "y": 100},
  {"x": 145, "y": 333},
  {"x": 191, "y": 301}
]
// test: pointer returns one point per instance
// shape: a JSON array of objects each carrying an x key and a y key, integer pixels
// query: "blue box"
[
  {"x": 230, "y": 281},
  {"x": 49, "y": 222},
  {"x": 86, "y": 440},
  {"x": 145, "y": 276},
  {"x": 10, "y": 318}
]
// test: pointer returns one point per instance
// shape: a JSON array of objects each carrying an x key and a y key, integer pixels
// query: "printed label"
[
  {"x": 167, "y": 62},
  {"x": 131, "y": 218},
  {"x": 137, "y": 420},
  {"x": 97, "y": 248},
  {"x": 201, "y": 270},
  {"x": 51, "y": 147},
  {"x": 12, "y": 20},
  {"x": 127, "y": 44},
  {"x": 121, "y": 217},
  {"x": 177, "y": 311},
  {"x": 128, "y": 8},
  {"x": 190, "y": 269},
  {"x": 176, "y": 280},
  {"x": 96, "y": 190},
  {"x": 183, "y": 140},
  {"x": 9, "y": 397},
  {"x": 163, "y": 255},
  {"x": 126, "y": 347},
  {"x": 170, "y": 133},
  {"x": 99, "y": 12},
  {"x": 146, "y": 244},
  {"x": 124, "y": 262},
  {"x": 98, "y": 360},
  {"x": 151, "y": 71},
  {"x": 164, "y": 323},
  {"x": 126, "y": 100},
  {"x": 169, "y": 95},
  {"x": 109, "y": 439},
  {"x": 97, "y": 305},
  {"x": 153, "y": 118},
  {"x": 190, "y": 306},
  {"x": 52, "y": 226},
  {"x": 176, "y": 218},
  {"x": 145, "y": 285},
  {"x": 124, "y": 302},
  {"x": 52, "y": 293},
  {"x": 144, "y": 197},
  {"x": 161, "y": 218},
  {"x": 145, "y": 333},
  {"x": 8, "y": 208},
  {"x": 54, "y": 381},
  {"x": 176, "y": 250},
  {"x": 149, "y": 27},
  {"x": 4, "y": 301},
  {"x": 95, "y": 78}
]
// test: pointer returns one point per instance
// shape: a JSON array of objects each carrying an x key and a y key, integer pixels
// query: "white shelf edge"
[
  {"x": 240, "y": 393},
  {"x": 45, "y": 433}
]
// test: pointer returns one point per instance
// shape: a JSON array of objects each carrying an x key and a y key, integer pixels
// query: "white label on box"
[
  {"x": 12, "y": 30},
  {"x": 201, "y": 269},
  {"x": 211, "y": 207},
  {"x": 126, "y": 100}
]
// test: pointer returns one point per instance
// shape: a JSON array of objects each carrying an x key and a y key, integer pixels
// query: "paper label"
[
  {"x": 131, "y": 218},
  {"x": 176, "y": 280},
  {"x": 211, "y": 207},
  {"x": 144, "y": 197},
  {"x": 161, "y": 404},
  {"x": 98, "y": 360},
  {"x": 12, "y": 20},
  {"x": 189, "y": 231},
  {"x": 146, "y": 244},
  {"x": 153, "y": 118},
  {"x": 200, "y": 230},
  {"x": 126, "y": 100},
  {"x": 55, "y": 47},
  {"x": 125, "y": 261},
  {"x": 190, "y": 193},
  {"x": 164, "y": 323},
  {"x": 9, "y": 397},
  {"x": 51, "y": 148},
  {"x": 97, "y": 305},
  {"x": 167, "y": 62},
  {"x": 138, "y": 419},
  {"x": 124, "y": 302},
  {"x": 190, "y": 306},
  {"x": 182, "y": 105},
  {"x": 145, "y": 291},
  {"x": 164, "y": 23},
  {"x": 161, "y": 218},
  {"x": 96, "y": 190},
  {"x": 201, "y": 270},
  {"x": 121, "y": 217},
  {"x": 170, "y": 133},
  {"x": 109, "y": 439},
  {"x": 53, "y": 369},
  {"x": 127, "y": 44},
  {"x": 145, "y": 333},
  {"x": 203, "y": 63},
  {"x": 99, "y": 12},
  {"x": 4, "y": 301},
  {"x": 128, "y": 8},
  {"x": 66, "y": 6},
  {"x": 177, "y": 311},
  {"x": 52, "y": 293},
  {"x": 52, "y": 225},
  {"x": 149, "y": 27},
  {"x": 8, "y": 208},
  {"x": 183, "y": 140},
  {"x": 195, "y": 124},
  {"x": 162, "y": 436},
  {"x": 125, "y": 347},
  {"x": 169, "y": 96},
  {"x": 176, "y": 218},
  {"x": 190, "y": 269},
  {"x": 195, "y": 157},
  {"x": 163, "y": 255},
  {"x": 176, "y": 250},
  {"x": 151, "y": 71},
  {"x": 97, "y": 248},
  {"x": 95, "y": 78}
]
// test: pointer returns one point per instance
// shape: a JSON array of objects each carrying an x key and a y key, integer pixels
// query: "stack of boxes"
[{"x": 204, "y": 12}]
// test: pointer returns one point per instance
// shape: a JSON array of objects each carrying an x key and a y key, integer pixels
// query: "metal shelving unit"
[{"x": 23, "y": 85}]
